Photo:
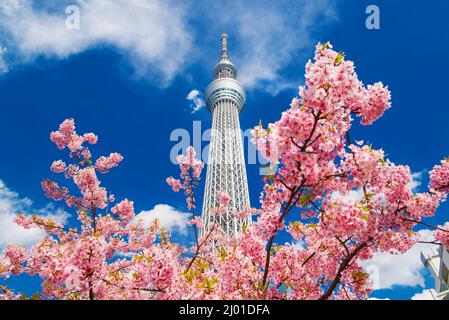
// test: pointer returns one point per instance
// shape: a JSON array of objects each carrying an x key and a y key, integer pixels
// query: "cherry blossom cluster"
[
  {"x": 338, "y": 202},
  {"x": 110, "y": 255},
  {"x": 190, "y": 174},
  {"x": 319, "y": 168}
]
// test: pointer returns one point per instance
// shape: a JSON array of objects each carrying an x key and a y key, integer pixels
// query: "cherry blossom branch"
[
  {"x": 343, "y": 265},
  {"x": 56, "y": 227},
  {"x": 199, "y": 247},
  {"x": 435, "y": 242},
  {"x": 308, "y": 259},
  {"x": 315, "y": 124},
  {"x": 132, "y": 288},
  {"x": 195, "y": 229},
  {"x": 425, "y": 224},
  {"x": 343, "y": 244},
  {"x": 4, "y": 289},
  {"x": 287, "y": 209},
  {"x": 91, "y": 289}
]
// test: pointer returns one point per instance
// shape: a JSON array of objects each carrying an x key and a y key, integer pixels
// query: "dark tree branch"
[
  {"x": 425, "y": 224},
  {"x": 343, "y": 266}
]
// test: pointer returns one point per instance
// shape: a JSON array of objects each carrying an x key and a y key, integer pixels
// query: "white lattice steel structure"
[
  {"x": 226, "y": 172},
  {"x": 437, "y": 261}
]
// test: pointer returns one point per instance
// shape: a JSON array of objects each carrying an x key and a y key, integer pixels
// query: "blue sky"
[{"x": 127, "y": 79}]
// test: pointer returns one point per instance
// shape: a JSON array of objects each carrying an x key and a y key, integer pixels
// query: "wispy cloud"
[
  {"x": 3, "y": 65},
  {"x": 150, "y": 33},
  {"x": 10, "y": 7},
  {"x": 196, "y": 100},
  {"x": 168, "y": 217},
  {"x": 12, "y": 204},
  {"x": 416, "y": 181}
]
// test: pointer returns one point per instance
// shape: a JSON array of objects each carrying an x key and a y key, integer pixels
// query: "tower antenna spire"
[{"x": 224, "y": 47}]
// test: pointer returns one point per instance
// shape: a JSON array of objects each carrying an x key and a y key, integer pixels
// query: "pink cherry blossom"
[
  {"x": 377, "y": 101},
  {"x": 53, "y": 190},
  {"x": 223, "y": 198},
  {"x": 87, "y": 181},
  {"x": 72, "y": 170},
  {"x": 124, "y": 209},
  {"x": 58, "y": 166},
  {"x": 191, "y": 169},
  {"x": 104, "y": 164},
  {"x": 91, "y": 138},
  {"x": 439, "y": 177},
  {"x": 174, "y": 183}
]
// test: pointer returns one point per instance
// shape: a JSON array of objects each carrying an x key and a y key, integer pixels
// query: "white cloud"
[
  {"x": 11, "y": 205},
  {"x": 158, "y": 37},
  {"x": 3, "y": 65},
  {"x": 10, "y": 7},
  {"x": 416, "y": 181},
  {"x": 299, "y": 245},
  {"x": 403, "y": 270},
  {"x": 151, "y": 33},
  {"x": 425, "y": 295},
  {"x": 350, "y": 197},
  {"x": 196, "y": 100},
  {"x": 168, "y": 216}
]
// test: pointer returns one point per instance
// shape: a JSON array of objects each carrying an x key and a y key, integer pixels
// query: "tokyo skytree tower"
[{"x": 226, "y": 172}]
